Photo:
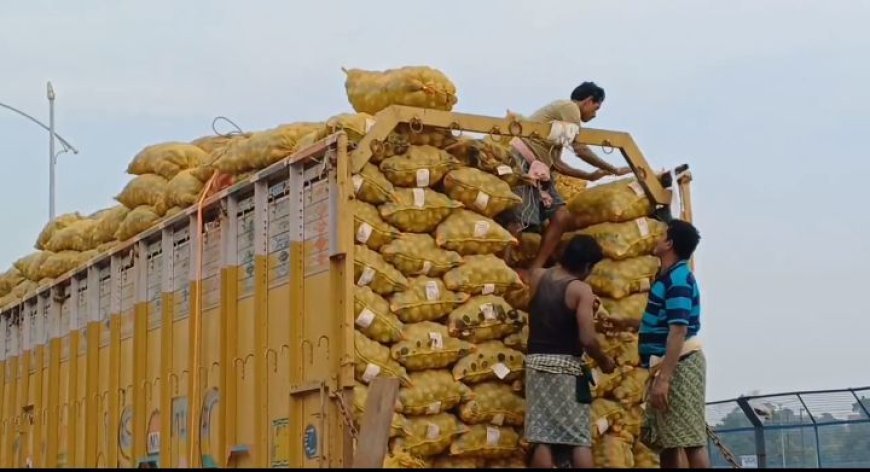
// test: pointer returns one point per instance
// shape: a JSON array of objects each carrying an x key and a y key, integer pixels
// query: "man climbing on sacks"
[
  {"x": 561, "y": 328},
  {"x": 537, "y": 157},
  {"x": 669, "y": 348}
]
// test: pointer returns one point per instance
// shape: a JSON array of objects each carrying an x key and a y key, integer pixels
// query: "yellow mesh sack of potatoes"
[
  {"x": 422, "y": 166},
  {"x": 482, "y": 275},
  {"x": 184, "y": 189},
  {"x": 425, "y": 299},
  {"x": 568, "y": 187},
  {"x": 432, "y": 392},
  {"x": 167, "y": 159},
  {"x": 451, "y": 462},
  {"x": 373, "y": 317},
  {"x": 526, "y": 251},
  {"x": 622, "y": 346},
  {"x": 619, "y": 279},
  {"x": 75, "y": 237},
  {"x": 494, "y": 403},
  {"x": 417, "y": 210},
  {"x": 9, "y": 280},
  {"x": 606, "y": 383},
  {"x": 210, "y": 144},
  {"x": 417, "y": 254},
  {"x": 492, "y": 361},
  {"x": 629, "y": 421},
  {"x": 55, "y": 225},
  {"x": 628, "y": 308},
  {"x": 404, "y": 136},
  {"x": 360, "y": 396},
  {"x": 613, "y": 452},
  {"x": 28, "y": 266},
  {"x": 262, "y": 148},
  {"x": 519, "y": 298},
  {"x": 173, "y": 211},
  {"x": 371, "y": 186},
  {"x": 372, "y": 360},
  {"x": 137, "y": 220},
  {"x": 618, "y": 201},
  {"x": 403, "y": 460},
  {"x": 632, "y": 387},
  {"x": 644, "y": 458},
  {"x": 604, "y": 413},
  {"x": 518, "y": 341},
  {"x": 427, "y": 436},
  {"x": 370, "y": 270},
  {"x": 427, "y": 345},
  {"x": 634, "y": 238},
  {"x": 368, "y": 226},
  {"x": 148, "y": 189},
  {"x": 468, "y": 233},
  {"x": 487, "y": 156},
  {"x": 480, "y": 191},
  {"x": 59, "y": 263},
  {"x": 419, "y": 86},
  {"x": 356, "y": 125},
  {"x": 515, "y": 461},
  {"x": 484, "y": 318},
  {"x": 107, "y": 224},
  {"x": 486, "y": 442},
  {"x": 18, "y": 292}
]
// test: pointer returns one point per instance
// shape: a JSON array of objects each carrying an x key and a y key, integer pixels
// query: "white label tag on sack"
[
  {"x": 481, "y": 201},
  {"x": 419, "y": 197},
  {"x": 434, "y": 408},
  {"x": 596, "y": 374},
  {"x": 636, "y": 188},
  {"x": 644, "y": 285},
  {"x": 492, "y": 436},
  {"x": 501, "y": 371},
  {"x": 504, "y": 170},
  {"x": 422, "y": 177},
  {"x": 368, "y": 274},
  {"x": 488, "y": 289},
  {"x": 488, "y": 311},
  {"x": 432, "y": 431},
  {"x": 369, "y": 123},
  {"x": 371, "y": 372},
  {"x": 602, "y": 425},
  {"x": 643, "y": 227},
  {"x": 364, "y": 233},
  {"x": 498, "y": 419},
  {"x": 481, "y": 228},
  {"x": 365, "y": 319},
  {"x": 357, "y": 183},
  {"x": 432, "y": 291},
  {"x": 427, "y": 266},
  {"x": 436, "y": 341}
]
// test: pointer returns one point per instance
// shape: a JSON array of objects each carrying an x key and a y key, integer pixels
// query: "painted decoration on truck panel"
[
  {"x": 125, "y": 433},
  {"x": 152, "y": 445},
  {"x": 209, "y": 402},
  {"x": 280, "y": 447},
  {"x": 309, "y": 442}
]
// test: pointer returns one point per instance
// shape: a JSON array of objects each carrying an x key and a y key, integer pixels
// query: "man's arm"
[
  {"x": 563, "y": 168},
  {"x": 584, "y": 153},
  {"x": 588, "y": 336}
]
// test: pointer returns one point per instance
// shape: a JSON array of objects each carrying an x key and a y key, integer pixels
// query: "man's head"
[
  {"x": 581, "y": 254},
  {"x": 588, "y": 98},
  {"x": 680, "y": 241}
]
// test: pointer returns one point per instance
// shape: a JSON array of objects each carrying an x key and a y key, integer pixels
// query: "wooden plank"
[{"x": 375, "y": 425}]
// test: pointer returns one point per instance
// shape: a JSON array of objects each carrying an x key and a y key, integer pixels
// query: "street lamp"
[{"x": 52, "y": 156}]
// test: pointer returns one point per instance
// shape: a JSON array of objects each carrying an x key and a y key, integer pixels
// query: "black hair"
[
  {"x": 588, "y": 90},
  {"x": 684, "y": 237},
  {"x": 581, "y": 253}
]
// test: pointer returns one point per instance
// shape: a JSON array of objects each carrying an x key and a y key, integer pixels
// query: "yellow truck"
[{"x": 223, "y": 336}]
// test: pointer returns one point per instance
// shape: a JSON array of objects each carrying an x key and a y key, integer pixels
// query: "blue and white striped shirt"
[{"x": 674, "y": 299}]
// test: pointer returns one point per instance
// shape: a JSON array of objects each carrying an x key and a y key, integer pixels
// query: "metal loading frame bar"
[{"x": 387, "y": 120}]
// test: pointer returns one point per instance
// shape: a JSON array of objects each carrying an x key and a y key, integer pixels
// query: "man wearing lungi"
[{"x": 561, "y": 328}]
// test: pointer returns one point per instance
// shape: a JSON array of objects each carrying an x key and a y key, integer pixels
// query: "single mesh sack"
[
  {"x": 619, "y": 279},
  {"x": 427, "y": 345},
  {"x": 479, "y": 191},
  {"x": 148, "y": 189},
  {"x": 262, "y": 148},
  {"x": 486, "y": 442},
  {"x": 631, "y": 307},
  {"x": 484, "y": 318},
  {"x": 370, "y": 270},
  {"x": 468, "y": 233},
  {"x": 488, "y": 156},
  {"x": 425, "y": 299},
  {"x": 491, "y": 362},
  {"x": 167, "y": 159},
  {"x": 568, "y": 187},
  {"x": 416, "y": 254},
  {"x": 519, "y": 298},
  {"x": 360, "y": 396},
  {"x": 107, "y": 224},
  {"x": 210, "y": 144},
  {"x": 526, "y": 252},
  {"x": 400, "y": 140},
  {"x": 622, "y": 347},
  {"x": 494, "y": 403},
  {"x": 373, "y": 318},
  {"x": 9, "y": 280},
  {"x": 518, "y": 341},
  {"x": 417, "y": 210},
  {"x": 184, "y": 189},
  {"x": 482, "y": 275},
  {"x": 432, "y": 392},
  {"x": 606, "y": 383},
  {"x": 137, "y": 220},
  {"x": 418, "y": 86},
  {"x": 622, "y": 241},
  {"x": 618, "y": 201},
  {"x": 368, "y": 226},
  {"x": 75, "y": 237},
  {"x": 644, "y": 458},
  {"x": 427, "y": 436},
  {"x": 631, "y": 389},
  {"x": 59, "y": 223},
  {"x": 173, "y": 211},
  {"x": 356, "y": 125},
  {"x": 371, "y": 186},
  {"x": 28, "y": 266},
  {"x": 613, "y": 452},
  {"x": 372, "y": 360},
  {"x": 422, "y": 166},
  {"x": 403, "y": 460},
  {"x": 59, "y": 263}
]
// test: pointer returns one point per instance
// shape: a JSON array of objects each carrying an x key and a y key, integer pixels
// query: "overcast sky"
[{"x": 767, "y": 101}]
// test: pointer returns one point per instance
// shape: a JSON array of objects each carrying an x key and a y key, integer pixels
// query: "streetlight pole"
[{"x": 52, "y": 159}]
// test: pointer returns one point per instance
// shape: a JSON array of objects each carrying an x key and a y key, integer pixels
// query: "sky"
[{"x": 766, "y": 101}]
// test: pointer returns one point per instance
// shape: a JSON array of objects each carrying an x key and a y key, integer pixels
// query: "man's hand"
[
  {"x": 546, "y": 198},
  {"x": 608, "y": 366},
  {"x": 659, "y": 392}
]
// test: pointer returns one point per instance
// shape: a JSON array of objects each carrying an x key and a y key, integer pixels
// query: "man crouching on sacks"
[
  {"x": 562, "y": 316},
  {"x": 537, "y": 157},
  {"x": 669, "y": 348}
]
